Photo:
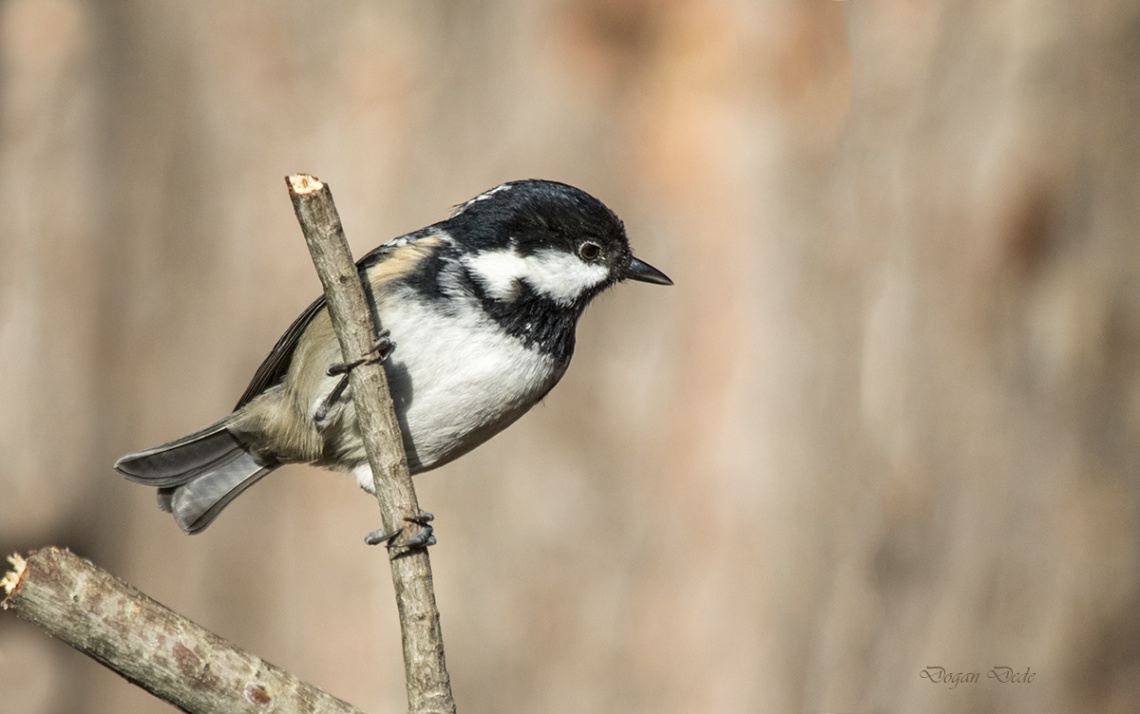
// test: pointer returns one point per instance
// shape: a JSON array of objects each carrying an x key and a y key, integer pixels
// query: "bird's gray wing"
[
  {"x": 391, "y": 258},
  {"x": 276, "y": 364}
]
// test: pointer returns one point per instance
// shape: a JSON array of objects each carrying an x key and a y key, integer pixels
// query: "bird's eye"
[{"x": 590, "y": 251}]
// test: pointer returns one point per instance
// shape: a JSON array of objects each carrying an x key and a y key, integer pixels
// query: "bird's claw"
[
  {"x": 421, "y": 539},
  {"x": 381, "y": 349}
]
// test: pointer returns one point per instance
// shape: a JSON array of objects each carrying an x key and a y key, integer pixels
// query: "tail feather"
[
  {"x": 197, "y": 476},
  {"x": 196, "y": 503},
  {"x": 179, "y": 461}
]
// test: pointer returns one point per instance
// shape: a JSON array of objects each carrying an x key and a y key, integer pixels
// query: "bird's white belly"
[{"x": 456, "y": 381}]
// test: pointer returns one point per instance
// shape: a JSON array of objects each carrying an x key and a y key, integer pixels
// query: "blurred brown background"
[{"x": 887, "y": 419}]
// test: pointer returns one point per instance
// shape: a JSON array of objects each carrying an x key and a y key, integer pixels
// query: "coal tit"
[{"x": 481, "y": 310}]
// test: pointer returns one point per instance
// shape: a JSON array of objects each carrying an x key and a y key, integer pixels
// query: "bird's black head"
[
  {"x": 550, "y": 238},
  {"x": 533, "y": 254}
]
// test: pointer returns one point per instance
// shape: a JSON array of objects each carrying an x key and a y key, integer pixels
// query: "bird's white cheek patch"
[
  {"x": 562, "y": 277},
  {"x": 497, "y": 270}
]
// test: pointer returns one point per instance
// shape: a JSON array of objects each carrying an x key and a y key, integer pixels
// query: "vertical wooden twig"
[{"x": 429, "y": 687}]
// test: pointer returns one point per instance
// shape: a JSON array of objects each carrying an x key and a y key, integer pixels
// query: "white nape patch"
[
  {"x": 560, "y": 276},
  {"x": 398, "y": 242},
  {"x": 482, "y": 197},
  {"x": 411, "y": 238}
]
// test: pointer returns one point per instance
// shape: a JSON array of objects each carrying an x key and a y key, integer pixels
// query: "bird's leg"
[
  {"x": 381, "y": 349},
  {"x": 330, "y": 399},
  {"x": 422, "y": 538}
]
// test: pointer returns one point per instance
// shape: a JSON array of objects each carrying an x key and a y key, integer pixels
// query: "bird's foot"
[
  {"x": 381, "y": 349},
  {"x": 421, "y": 539}
]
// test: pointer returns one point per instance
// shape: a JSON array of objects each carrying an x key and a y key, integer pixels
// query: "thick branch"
[
  {"x": 429, "y": 688},
  {"x": 149, "y": 644}
]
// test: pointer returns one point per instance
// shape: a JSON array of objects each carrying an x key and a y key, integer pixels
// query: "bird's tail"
[{"x": 198, "y": 475}]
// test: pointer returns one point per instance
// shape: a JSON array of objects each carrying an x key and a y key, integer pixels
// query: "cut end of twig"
[
  {"x": 13, "y": 577},
  {"x": 301, "y": 184}
]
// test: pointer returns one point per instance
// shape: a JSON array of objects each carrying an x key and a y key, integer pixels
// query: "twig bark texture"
[
  {"x": 149, "y": 644},
  {"x": 429, "y": 687}
]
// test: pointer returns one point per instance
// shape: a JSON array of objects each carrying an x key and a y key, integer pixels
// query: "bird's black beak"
[{"x": 646, "y": 273}]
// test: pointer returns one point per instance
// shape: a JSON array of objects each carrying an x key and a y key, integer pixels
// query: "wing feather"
[{"x": 384, "y": 263}]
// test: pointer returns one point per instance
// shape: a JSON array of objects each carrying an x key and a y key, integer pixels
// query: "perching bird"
[{"x": 480, "y": 310}]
